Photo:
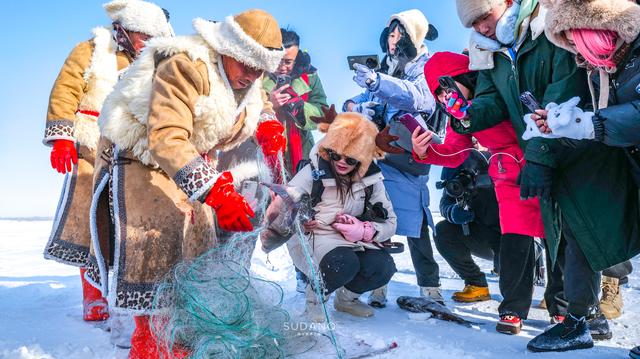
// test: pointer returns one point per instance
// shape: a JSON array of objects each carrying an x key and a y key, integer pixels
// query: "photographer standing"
[
  {"x": 471, "y": 225},
  {"x": 399, "y": 87}
]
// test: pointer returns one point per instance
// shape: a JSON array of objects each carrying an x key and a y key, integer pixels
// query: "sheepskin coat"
[
  {"x": 86, "y": 78},
  {"x": 162, "y": 127}
]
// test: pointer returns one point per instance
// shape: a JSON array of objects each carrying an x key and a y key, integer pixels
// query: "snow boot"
[
  {"x": 599, "y": 327},
  {"x": 313, "y": 308},
  {"x": 571, "y": 334},
  {"x": 472, "y": 293},
  {"x": 635, "y": 353},
  {"x": 433, "y": 293},
  {"x": 378, "y": 297},
  {"x": 349, "y": 302},
  {"x": 144, "y": 344},
  {"x": 94, "y": 305},
  {"x": 509, "y": 324},
  {"x": 611, "y": 301}
]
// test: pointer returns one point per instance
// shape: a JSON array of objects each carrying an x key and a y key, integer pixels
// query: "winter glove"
[
  {"x": 454, "y": 107},
  {"x": 384, "y": 139},
  {"x": 63, "y": 155},
  {"x": 352, "y": 229},
  {"x": 365, "y": 77},
  {"x": 569, "y": 121},
  {"x": 535, "y": 180},
  {"x": 532, "y": 130},
  {"x": 459, "y": 215},
  {"x": 366, "y": 109},
  {"x": 232, "y": 210},
  {"x": 270, "y": 137}
]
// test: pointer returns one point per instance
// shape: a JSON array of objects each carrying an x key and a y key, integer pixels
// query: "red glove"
[
  {"x": 270, "y": 137},
  {"x": 63, "y": 155},
  {"x": 455, "y": 108},
  {"x": 231, "y": 208}
]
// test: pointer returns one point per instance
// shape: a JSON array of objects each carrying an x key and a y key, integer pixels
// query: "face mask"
[
  {"x": 506, "y": 27},
  {"x": 484, "y": 43}
]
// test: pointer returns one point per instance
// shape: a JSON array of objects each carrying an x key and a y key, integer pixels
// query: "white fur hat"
[
  {"x": 139, "y": 16},
  {"x": 471, "y": 10},
  {"x": 415, "y": 23}
]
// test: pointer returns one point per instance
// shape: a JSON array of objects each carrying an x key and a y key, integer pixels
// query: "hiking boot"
[
  {"x": 349, "y": 302},
  {"x": 378, "y": 297},
  {"x": 599, "y": 327},
  {"x": 611, "y": 301},
  {"x": 571, "y": 334},
  {"x": 509, "y": 324},
  {"x": 432, "y": 293},
  {"x": 313, "y": 308},
  {"x": 472, "y": 293},
  {"x": 635, "y": 353}
]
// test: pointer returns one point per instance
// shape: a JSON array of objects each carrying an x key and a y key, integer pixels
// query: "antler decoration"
[
  {"x": 384, "y": 139},
  {"x": 328, "y": 115}
]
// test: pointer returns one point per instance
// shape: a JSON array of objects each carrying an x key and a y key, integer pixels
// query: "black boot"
[
  {"x": 571, "y": 334},
  {"x": 599, "y": 327},
  {"x": 635, "y": 353}
]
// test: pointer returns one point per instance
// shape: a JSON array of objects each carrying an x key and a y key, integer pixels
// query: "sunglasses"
[{"x": 337, "y": 157}]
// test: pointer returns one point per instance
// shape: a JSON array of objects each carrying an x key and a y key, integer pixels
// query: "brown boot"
[
  {"x": 611, "y": 301},
  {"x": 471, "y": 293}
]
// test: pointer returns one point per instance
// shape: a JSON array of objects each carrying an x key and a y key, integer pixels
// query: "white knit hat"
[
  {"x": 471, "y": 10},
  {"x": 415, "y": 23},
  {"x": 139, "y": 16}
]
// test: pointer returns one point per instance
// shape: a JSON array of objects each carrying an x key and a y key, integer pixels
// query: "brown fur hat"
[
  {"x": 621, "y": 16},
  {"x": 352, "y": 135}
]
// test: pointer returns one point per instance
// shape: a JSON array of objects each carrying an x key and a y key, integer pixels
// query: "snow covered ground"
[{"x": 40, "y": 311}]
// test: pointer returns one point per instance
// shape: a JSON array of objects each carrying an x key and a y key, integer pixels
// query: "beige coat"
[
  {"x": 86, "y": 78},
  {"x": 325, "y": 238},
  {"x": 173, "y": 106}
]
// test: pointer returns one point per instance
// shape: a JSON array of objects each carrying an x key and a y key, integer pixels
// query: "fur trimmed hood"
[
  {"x": 621, "y": 16},
  {"x": 139, "y": 16},
  {"x": 352, "y": 135},
  {"x": 415, "y": 23},
  {"x": 259, "y": 46}
]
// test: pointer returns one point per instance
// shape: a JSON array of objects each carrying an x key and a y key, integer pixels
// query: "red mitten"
[
  {"x": 63, "y": 156},
  {"x": 455, "y": 108},
  {"x": 270, "y": 137},
  {"x": 232, "y": 210}
]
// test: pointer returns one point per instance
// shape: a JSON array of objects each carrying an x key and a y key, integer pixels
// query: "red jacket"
[{"x": 516, "y": 216}]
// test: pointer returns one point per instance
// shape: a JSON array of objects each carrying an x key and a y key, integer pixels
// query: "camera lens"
[{"x": 372, "y": 63}]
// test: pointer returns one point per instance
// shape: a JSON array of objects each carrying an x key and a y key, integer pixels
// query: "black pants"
[
  {"x": 427, "y": 270},
  {"x": 620, "y": 271},
  {"x": 456, "y": 248},
  {"x": 358, "y": 271},
  {"x": 554, "y": 293},
  {"x": 581, "y": 283},
  {"x": 517, "y": 264}
]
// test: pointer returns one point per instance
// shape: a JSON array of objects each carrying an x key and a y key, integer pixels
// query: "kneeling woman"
[{"x": 344, "y": 249}]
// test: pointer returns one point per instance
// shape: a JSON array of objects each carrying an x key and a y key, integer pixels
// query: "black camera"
[
  {"x": 460, "y": 185},
  {"x": 282, "y": 80}
]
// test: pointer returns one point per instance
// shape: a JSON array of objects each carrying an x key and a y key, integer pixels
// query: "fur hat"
[
  {"x": 139, "y": 16},
  {"x": 621, "y": 16},
  {"x": 415, "y": 23},
  {"x": 470, "y": 10},
  {"x": 351, "y": 134},
  {"x": 252, "y": 37}
]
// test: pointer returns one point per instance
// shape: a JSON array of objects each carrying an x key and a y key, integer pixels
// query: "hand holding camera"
[{"x": 279, "y": 97}]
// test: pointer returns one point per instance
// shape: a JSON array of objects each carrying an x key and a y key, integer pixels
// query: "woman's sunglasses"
[{"x": 337, "y": 157}]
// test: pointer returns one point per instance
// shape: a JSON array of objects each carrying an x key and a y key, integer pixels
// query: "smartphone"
[
  {"x": 370, "y": 61},
  {"x": 411, "y": 124},
  {"x": 530, "y": 101},
  {"x": 449, "y": 84}
]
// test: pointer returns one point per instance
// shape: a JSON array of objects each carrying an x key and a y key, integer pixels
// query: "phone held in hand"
[
  {"x": 411, "y": 123},
  {"x": 370, "y": 61},
  {"x": 449, "y": 85},
  {"x": 530, "y": 101}
]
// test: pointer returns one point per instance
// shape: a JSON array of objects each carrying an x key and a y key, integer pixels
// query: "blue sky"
[{"x": 38, "y": 35}]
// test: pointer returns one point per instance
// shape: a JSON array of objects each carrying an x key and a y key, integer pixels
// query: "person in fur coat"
[
  {"x": 344, "y": 249},
  {"x": 182, "y": 101},
  {"x": 86, "y": 78}
]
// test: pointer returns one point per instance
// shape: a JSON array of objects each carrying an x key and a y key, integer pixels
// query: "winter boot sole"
[
  {"x": 377, "y": 304},
  {"x": 508, "y": 329},
  {"x": 578, "y": 347},
  {"x": 481, "y": 298},
  {"x": 606, "y": 336}
]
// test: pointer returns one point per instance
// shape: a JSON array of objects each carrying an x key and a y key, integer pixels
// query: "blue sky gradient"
[{"x": 38, "y": 35}]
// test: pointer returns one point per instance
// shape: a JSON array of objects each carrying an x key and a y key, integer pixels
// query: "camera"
[
  {"x": 282, "y": 80},
  {"x": 463, "y": 184}
]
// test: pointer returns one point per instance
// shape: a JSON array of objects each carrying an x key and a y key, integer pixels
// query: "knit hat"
[
  {"x": 621, "y": 16},
  {"x": 252, "y": 37},
  {"x": 139, "y": 16},
  {"x": 444, "y": 63},
  {"x": 415, "y": 23},
  {"x": 471, "y": 10},
  {"x": 351, "y": 134}
]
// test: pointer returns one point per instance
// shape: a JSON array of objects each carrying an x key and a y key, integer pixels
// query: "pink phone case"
[{"x": 410, "y": 123}]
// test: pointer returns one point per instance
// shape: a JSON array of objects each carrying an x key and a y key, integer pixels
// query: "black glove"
[
  {"x": 459, "y": 215},
  {"x": 535, "y": 181}
]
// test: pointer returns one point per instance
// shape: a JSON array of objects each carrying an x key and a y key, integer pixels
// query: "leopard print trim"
[
  {"x": 58, "y": 130},
  {"x": 67, "y": 253},
  {"x": 133, "y": 298},
  {"x": 196, "y": 178},
  {"x": 93, "y": 271}
]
